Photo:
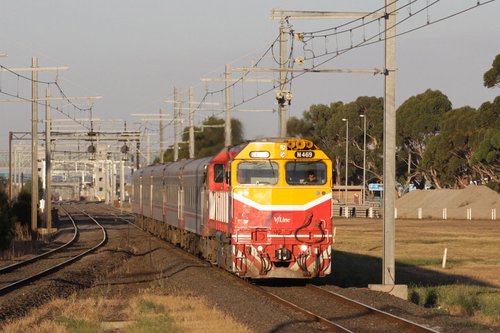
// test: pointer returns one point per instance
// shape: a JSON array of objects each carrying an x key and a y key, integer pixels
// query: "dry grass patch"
[
  {"x": 472, "y": 262},
  {"x": 479, "y": 303},
  {"x": 190, "y": 314},
  {"x": 145, "y": 313}
]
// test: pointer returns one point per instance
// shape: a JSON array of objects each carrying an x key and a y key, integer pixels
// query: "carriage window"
[
  {"x": 218, "y": 173},
  {"x": 305, "y": 173},
  {"x": 265, "y": 172}
]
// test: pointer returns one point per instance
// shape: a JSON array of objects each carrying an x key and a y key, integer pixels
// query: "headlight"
[
  {"x": 260, "y": 248},
  {"x": 303, "y": 248}
]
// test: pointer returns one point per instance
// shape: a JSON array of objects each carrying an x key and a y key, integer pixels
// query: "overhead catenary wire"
[
  {"x": 48, "y": 83},
  {"x": 365, "y": 43},
  {"x": 337, "y": 30}
]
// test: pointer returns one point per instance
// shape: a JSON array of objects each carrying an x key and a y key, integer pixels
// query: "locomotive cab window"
[
  {"x": 257, "y": 172},
  {"x": 218, "y": 173},
  {"x": 305, "y": 173}
]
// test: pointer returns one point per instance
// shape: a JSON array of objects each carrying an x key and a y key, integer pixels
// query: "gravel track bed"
[
  {"x": 354, "y": 319},
  {"x": 133, "y": 261},
  {"x": 405, "y": 309},
  {"x": 61, "y": 237},
  {"x": 77, "y": 276},
  {"x": 89, "y": 235},
  {"x": 158, "y": 264}
]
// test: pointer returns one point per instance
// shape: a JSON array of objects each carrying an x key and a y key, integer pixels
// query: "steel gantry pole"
[
  {"x": 10, "y": 167},
  {"x": 176, "y": 131},
  {"x": 364, "y": 158},
  {"x": 48, "y": 165},
  {"x": 389, "y": 272},
  {"x": 191, "y": 124},
  {"x": 34, "y": 145},
  {"x": 161, "y": 136},
  {"x": 281, "y": 106},
  {"x": 227, "y": 128},
  {"x": 346, "y": 160}
]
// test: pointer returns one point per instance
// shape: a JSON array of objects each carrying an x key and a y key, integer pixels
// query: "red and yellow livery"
[{"x": 261, "y": 209}]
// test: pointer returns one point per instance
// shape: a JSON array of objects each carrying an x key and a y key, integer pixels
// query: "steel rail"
[
  {"x": 314, "y": 317},
  {"x": 412, "y": 326},
  {"x": 50, "y": 270},
  {"x": 317, "y": 318},
  {"x": 111, "y": 211},
  {"x": 16, "y": 265}
]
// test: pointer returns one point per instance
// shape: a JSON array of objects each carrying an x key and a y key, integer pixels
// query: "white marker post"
[{"x": 445, "y": 254}]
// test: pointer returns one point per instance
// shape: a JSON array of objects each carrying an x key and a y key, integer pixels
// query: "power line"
[
  {"x": 367, "y": 43},
  {"x": 48, "y": 83}
]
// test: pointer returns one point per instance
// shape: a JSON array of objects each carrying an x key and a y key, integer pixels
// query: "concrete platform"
[{"x": 398, "y": 290}]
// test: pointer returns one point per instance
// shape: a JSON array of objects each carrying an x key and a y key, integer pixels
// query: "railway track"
[
  {"x": 403, "y": 325},
  {"x": 94, "y": 235},
  {"x": 11, "y": 267},
  {"x": 339, "y": 313},
  {"x": 333, "y": 311}
]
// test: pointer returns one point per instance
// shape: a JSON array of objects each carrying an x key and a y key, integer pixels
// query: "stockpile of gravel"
[{"x": 478, "y": 200}]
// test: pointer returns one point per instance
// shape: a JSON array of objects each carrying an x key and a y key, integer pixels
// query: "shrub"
[{"x": 6, "y": 221}]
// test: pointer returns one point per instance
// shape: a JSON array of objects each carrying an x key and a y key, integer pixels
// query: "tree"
[
  {"x": 418, "y": 119},
  {"x": 6, "y": 221},
  {"x": 447, "y": 154},
  {"x": 485, "y": 157},
  {"x": 492, "y": 76},
  {"x": 323, "y": 124},
  {"x": 208, "y": 140},
  {"x": 467, "y": 148},
  {"x": 21, "y": 208}
]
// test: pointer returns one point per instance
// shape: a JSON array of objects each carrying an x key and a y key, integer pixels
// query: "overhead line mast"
[{"x": 388, "y": 269}]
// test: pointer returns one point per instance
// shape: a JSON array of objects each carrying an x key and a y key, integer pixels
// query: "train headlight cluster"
[
  {"x": 303, "y": 247},
  {"x": 260, "y": 248},
  {"x": 260, "y": 154}
]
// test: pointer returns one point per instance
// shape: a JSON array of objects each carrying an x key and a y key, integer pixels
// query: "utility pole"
[
  {"x": 10, "y": 167},
  {"x": 283, "y": 62},
  {"x": 48, "y": 165},
  {"x": 122, "y": 183},
  {"x": 389, "y": 271},
  {"x": 227, "y": 128},
  {"x": 364, "y": 157},
  {"x": 161, "y": 136},
  {"x": 176, "y": 130},
  {"x": 191, "y": 124},
  {"x": 389, "y": 14},
  {"x": 137, "y": 154},
  {"x": 148, "y": 149},
  {"x": 34, "y": 145}
]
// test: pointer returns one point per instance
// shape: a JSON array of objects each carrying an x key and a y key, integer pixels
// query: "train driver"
[{"x": 311, "y": 177}]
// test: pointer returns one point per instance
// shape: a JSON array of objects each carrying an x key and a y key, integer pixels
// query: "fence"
[{"x": 463, "y": 213}]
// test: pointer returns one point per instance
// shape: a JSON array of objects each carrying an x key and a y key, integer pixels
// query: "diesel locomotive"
[{"x": 261, "y": 209}]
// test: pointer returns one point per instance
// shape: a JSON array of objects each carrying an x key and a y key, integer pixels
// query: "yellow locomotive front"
[{"x": 281, "y": 222}]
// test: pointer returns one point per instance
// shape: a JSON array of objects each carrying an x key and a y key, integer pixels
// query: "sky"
[{"x": 133, "y": 54}]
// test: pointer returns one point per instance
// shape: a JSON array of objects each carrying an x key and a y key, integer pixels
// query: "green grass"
[
  {"x": 150, "y": 307},
  {"x": 79, "y": 326},
  {"x": 419, "y": 261},
  {"x": 154, "y": 320},
  {"x": 160, "y": 324},
  {"x": 461, "y": 299}
]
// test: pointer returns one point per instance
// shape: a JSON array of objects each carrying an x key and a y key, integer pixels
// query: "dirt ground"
[
  {"x": 480, "y": 202},
  {"x": 472, "y": 249}
]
